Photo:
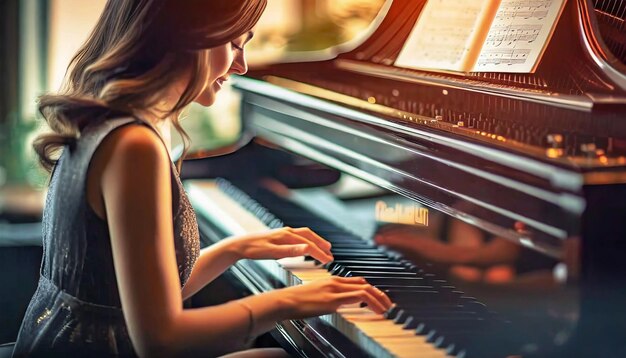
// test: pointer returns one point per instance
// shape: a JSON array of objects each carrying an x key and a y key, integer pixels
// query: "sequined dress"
[{"x": 76, "y": 308}]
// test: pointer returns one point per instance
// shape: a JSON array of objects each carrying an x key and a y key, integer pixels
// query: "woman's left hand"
[{"x": 279, "y": 243}]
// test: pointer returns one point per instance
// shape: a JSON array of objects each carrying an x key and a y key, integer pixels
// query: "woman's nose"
[{"x": 240, "y": 65}]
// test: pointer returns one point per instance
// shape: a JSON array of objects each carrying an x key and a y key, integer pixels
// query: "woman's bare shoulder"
[
  {"x": 133, "y": 138},
  {"x": 131, "y": 153},
  {"x": 132, "y": 144}
]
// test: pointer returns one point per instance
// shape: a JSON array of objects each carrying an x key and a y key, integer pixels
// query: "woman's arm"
[
  {"x": 212, "y": 262},
  {"x": 136, "y": 189},
  {"x": 270, "y": 244}
]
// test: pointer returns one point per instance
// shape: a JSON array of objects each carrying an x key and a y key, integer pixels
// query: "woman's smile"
[{"x": 220, "y": 81}]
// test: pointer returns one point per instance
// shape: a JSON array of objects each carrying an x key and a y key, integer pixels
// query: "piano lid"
[
  {"x": 578, "y": 66},
  {"x": 568, "y": 113}
]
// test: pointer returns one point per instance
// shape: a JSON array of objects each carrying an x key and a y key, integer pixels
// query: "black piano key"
[
  {"x": 450, "y": 305},
  {"x": 349, "y": 270},
  {"x": 335, "y": 263},
  {"x": 357, "y": 251},
  {"x": 377, "y": 280},
  {"x": 348, "y": 255},
  {"x": 339, "y": 248},
  {"x": 401, "y": 317},
  {"x": 471, "y": 343},
  {"x": 377, "y": 267},
  {"x": 392, "y": 312},
  {"x": 423, "y": 297},
  {"x": 388, "y": 262},
  {"x": 354, "y": 273},
  {"x": 450, "y": 348},
  {"x": 410, "y": 288},
  {"x": 356, "y": 243},
  {"x": 425, "y": 310},
  {"x": 405, "y": 294},
  {"x": 412, "y": 318},
  {"x": 446, "y": 324},
  {"x": 422, "y": 302},
  {"x": 404, "y": 316},
  {"x": 343, "y": 240}
]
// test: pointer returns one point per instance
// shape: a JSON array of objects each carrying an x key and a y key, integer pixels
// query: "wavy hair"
[{"x": 136, "y": 50}]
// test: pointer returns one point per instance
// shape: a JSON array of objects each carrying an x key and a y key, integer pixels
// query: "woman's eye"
[{"x": 236, "y": 47}]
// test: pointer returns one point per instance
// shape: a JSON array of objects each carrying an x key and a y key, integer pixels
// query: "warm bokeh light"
[{"x": 71, "y": 21}]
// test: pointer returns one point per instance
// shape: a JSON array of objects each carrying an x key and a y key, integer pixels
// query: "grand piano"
[{"x": 490, "y": 206}]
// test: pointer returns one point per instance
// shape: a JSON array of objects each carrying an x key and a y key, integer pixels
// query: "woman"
[{"x": 121, "y": 246}]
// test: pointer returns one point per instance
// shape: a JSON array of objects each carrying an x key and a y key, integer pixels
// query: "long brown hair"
[{"x": 137, "y": 49}]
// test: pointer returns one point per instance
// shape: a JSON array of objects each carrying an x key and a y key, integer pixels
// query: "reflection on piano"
[{"x": 523, "y": 177}]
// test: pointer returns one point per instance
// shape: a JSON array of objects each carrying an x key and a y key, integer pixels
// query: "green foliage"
[{"x": 17, "y": 157}]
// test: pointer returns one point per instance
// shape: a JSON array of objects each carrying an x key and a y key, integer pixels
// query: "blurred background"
[{"x": 39, "y": 37}]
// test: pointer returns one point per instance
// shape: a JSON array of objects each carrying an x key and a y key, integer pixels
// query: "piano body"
[{"x": 530, "y": 166}]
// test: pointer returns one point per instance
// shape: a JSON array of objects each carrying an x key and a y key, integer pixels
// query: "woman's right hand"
[
  {"x": 279, "y": 243},
  {"x": 327, "y": 295}
]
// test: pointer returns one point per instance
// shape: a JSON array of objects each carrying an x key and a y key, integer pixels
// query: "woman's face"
[{"x": 224, "y": 60}]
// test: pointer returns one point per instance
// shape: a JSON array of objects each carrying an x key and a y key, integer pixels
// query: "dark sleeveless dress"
[{"x": 76, "y": 308}]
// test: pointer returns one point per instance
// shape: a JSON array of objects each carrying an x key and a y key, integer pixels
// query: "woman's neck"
[{"x": 165, "y": 131}]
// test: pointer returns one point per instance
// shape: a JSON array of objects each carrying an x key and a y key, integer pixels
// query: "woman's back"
[{"x": 76, "y": 307}]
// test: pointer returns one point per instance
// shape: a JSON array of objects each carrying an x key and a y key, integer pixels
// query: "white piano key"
[{"x": 235, "y": 219}]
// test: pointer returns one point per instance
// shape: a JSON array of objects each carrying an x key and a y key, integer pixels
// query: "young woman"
[{"x": 121, "y": 247}]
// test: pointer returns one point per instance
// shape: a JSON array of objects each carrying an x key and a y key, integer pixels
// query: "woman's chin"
[{"x": 205, "y": 99}]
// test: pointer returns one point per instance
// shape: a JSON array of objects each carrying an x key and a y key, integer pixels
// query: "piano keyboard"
[{"x": 430, "y": 318}]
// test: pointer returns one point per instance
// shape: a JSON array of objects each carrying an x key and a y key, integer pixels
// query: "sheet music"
[
  {"x": 442, "y": 36},
  {"x": 518, "y": 35}
]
